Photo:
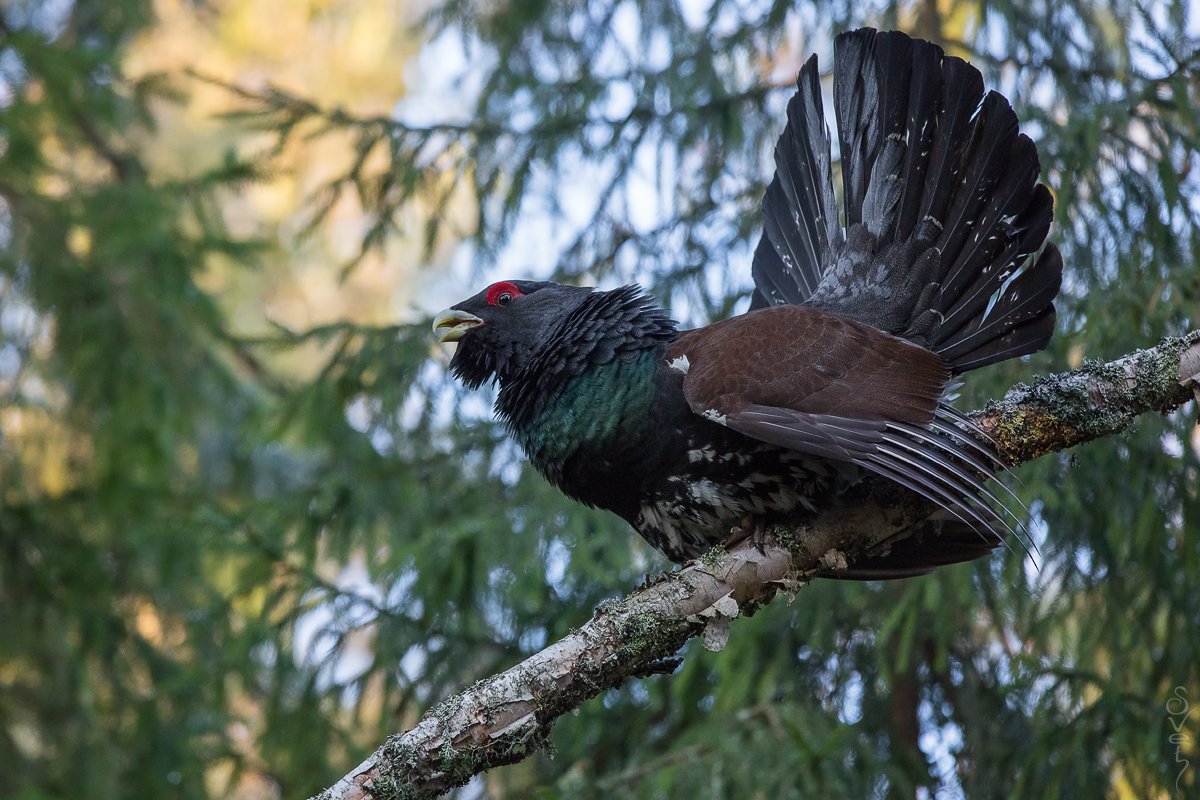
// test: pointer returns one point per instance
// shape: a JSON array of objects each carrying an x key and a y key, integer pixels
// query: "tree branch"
[{"x": 505, "y": 718}]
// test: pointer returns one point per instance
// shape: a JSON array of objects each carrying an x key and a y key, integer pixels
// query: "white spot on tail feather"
[{"x": 714, "y": 415}]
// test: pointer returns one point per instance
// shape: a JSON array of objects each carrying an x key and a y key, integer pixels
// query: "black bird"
[{"x": 856, "y": 330}]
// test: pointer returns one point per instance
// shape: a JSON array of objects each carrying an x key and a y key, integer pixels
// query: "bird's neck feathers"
[{"x": 607, "y": 333}]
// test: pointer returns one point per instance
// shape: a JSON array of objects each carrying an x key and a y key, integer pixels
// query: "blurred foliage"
[{"x": 248, "y": 527}]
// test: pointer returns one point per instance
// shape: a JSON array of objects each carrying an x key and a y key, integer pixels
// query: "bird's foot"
[
  {"x": 651, "y": 580},
  {"x": 752, "y": 528}
]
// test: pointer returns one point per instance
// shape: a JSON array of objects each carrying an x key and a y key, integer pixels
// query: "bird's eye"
[{"x": 503, "y": 293}]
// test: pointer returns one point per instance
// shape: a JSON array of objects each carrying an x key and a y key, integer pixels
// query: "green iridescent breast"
[{"x": 598, "y": 413}]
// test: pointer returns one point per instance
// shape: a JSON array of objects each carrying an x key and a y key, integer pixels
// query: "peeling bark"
[{"x": 505, "y": 718}]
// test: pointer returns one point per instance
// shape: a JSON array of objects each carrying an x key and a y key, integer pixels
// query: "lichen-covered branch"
[
  {"x": 505, "y": 718},
  {"x": 1099, "y": 399}
]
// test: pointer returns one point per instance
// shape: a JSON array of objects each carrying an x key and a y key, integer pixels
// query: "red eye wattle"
[{"x": 501, "y": 294}]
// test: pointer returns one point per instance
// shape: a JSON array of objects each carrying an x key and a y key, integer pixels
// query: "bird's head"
[{"x": 500, "y": 328}]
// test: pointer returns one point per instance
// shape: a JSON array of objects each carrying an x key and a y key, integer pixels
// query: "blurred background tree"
[{"x": 248, "y": 527}]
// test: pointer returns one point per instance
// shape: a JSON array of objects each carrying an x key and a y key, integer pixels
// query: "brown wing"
[
  {"x": 798, "y": 361},
  {"x": 818, "y": 383}
]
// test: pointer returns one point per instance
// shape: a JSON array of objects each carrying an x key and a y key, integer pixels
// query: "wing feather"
[{"x": 807, "y": 380}]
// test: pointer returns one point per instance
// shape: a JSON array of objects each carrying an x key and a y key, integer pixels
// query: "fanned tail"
[
  {"x": 944, "y": 218},
  {"x": 942, "y": 242}
]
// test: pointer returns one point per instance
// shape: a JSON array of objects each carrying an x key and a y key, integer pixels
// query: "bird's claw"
[
  {"x": 752, "y": 528},
  {"x": 651, "y": 580}
]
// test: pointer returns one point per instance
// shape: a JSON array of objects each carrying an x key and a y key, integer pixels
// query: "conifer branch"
[{"x": 505, "y": 718}]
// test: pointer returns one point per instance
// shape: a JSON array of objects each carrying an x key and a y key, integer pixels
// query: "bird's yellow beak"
[{"x": 451, "y": 324}]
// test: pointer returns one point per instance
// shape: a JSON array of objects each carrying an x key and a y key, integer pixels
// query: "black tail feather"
[
  {"x": 924, "y": 96},
  {"x": 962, "y": 88},
  {"x": 799, "y": 209},
  {"x": 856, "y": 90}
]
